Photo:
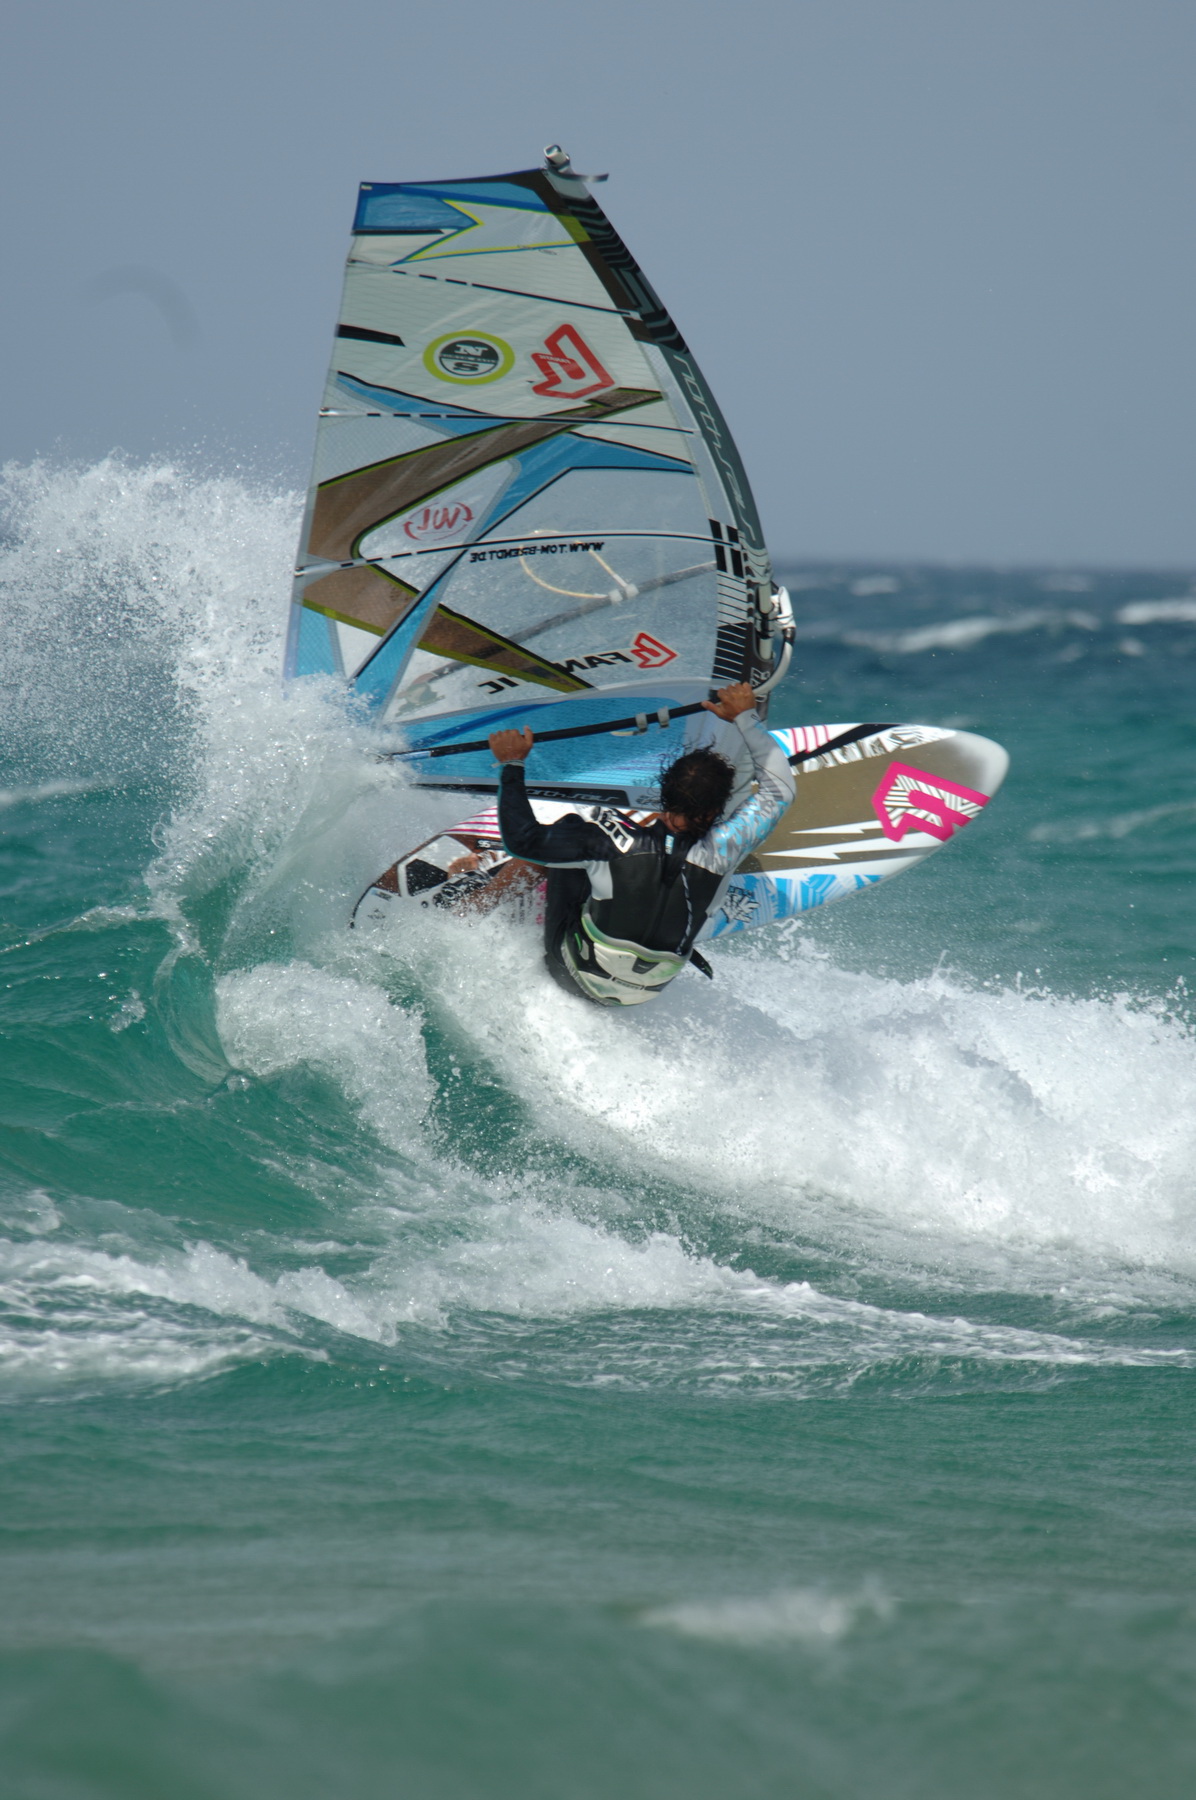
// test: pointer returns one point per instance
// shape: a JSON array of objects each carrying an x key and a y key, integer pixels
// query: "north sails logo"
[{"x": 568, "y": 367}]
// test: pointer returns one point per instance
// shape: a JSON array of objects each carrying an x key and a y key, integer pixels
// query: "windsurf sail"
[{"x": 526, "y": 506}]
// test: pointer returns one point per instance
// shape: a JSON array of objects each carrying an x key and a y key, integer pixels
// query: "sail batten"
[{"x": 524, "y": 494}]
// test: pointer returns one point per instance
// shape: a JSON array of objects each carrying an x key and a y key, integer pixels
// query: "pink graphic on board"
[
  {"x": 913, "y": 800},
  {"x": 801, "y": 739}
]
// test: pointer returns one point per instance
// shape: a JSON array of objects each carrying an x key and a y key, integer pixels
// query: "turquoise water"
[{"x": 415, "y": 1383}]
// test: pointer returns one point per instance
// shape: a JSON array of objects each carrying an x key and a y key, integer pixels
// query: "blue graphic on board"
[
  {"x": 755, "y": 900},
  {"x": 815, "y": 889}
]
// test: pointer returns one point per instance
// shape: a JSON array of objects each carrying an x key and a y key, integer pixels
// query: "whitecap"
[
  {"x": 1178, "y": 611},
  {"x": 966, "y": 633},
  {"x": 814, "y": 1617}
]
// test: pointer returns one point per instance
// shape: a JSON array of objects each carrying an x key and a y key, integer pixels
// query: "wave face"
[{"x": 414, "y": 1376}]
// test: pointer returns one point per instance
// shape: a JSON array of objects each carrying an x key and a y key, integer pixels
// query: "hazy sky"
[{"x": 936, "y": 257}]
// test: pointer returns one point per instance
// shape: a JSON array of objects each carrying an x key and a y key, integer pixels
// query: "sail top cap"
[{"x": 559, "y": 162}]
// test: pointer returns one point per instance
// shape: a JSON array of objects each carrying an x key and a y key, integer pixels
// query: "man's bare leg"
[{"x": 510, "y": 879}]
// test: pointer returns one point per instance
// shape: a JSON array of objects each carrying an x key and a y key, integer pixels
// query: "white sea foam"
[
  {"x": 656, "y": 1090},
  {"x": 530, "y": 1262},
  {"x": 966, "y": 633},
  {"x": 45, "y": 790},
  {"x": 1180, "y": 610},
  {"x": 1118, "y": 825},
  {"x": 129, "y": 566},
  {"x": 171, "y": 590},
  {"x": 272, "y": 1017},
  {"x": 808, "y": 1616},
  {"x": 1012, "y": 1135},
  {"x": 75, "y": 1316},
  {"x": 805, "y": 1093}
]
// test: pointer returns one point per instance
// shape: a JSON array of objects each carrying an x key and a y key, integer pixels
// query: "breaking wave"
[{"x": 800, "y": 1175}]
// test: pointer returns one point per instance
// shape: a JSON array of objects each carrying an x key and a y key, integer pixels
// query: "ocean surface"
[{"x": 417, "y": 1383}]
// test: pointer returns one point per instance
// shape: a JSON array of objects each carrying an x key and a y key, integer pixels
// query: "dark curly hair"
[{"x": 697, "y": 787}]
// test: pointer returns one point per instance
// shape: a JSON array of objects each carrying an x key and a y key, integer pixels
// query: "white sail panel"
[{"x": 524, "y": 494}]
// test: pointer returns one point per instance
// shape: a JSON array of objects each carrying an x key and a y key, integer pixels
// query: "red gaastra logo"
[
  {"x": 438, "y": 521},
  {"x": 569, "y": 367},
  {"x": 650, "y": 653}
]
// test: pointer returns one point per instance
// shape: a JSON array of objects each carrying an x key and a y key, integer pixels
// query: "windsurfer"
[{"x": 627, "y": 900}]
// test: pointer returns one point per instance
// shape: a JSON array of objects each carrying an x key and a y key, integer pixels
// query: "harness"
[{"x": 606, "y": 963}]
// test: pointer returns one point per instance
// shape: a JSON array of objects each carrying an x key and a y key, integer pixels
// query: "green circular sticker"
[{"x": 469, "y": 357}]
